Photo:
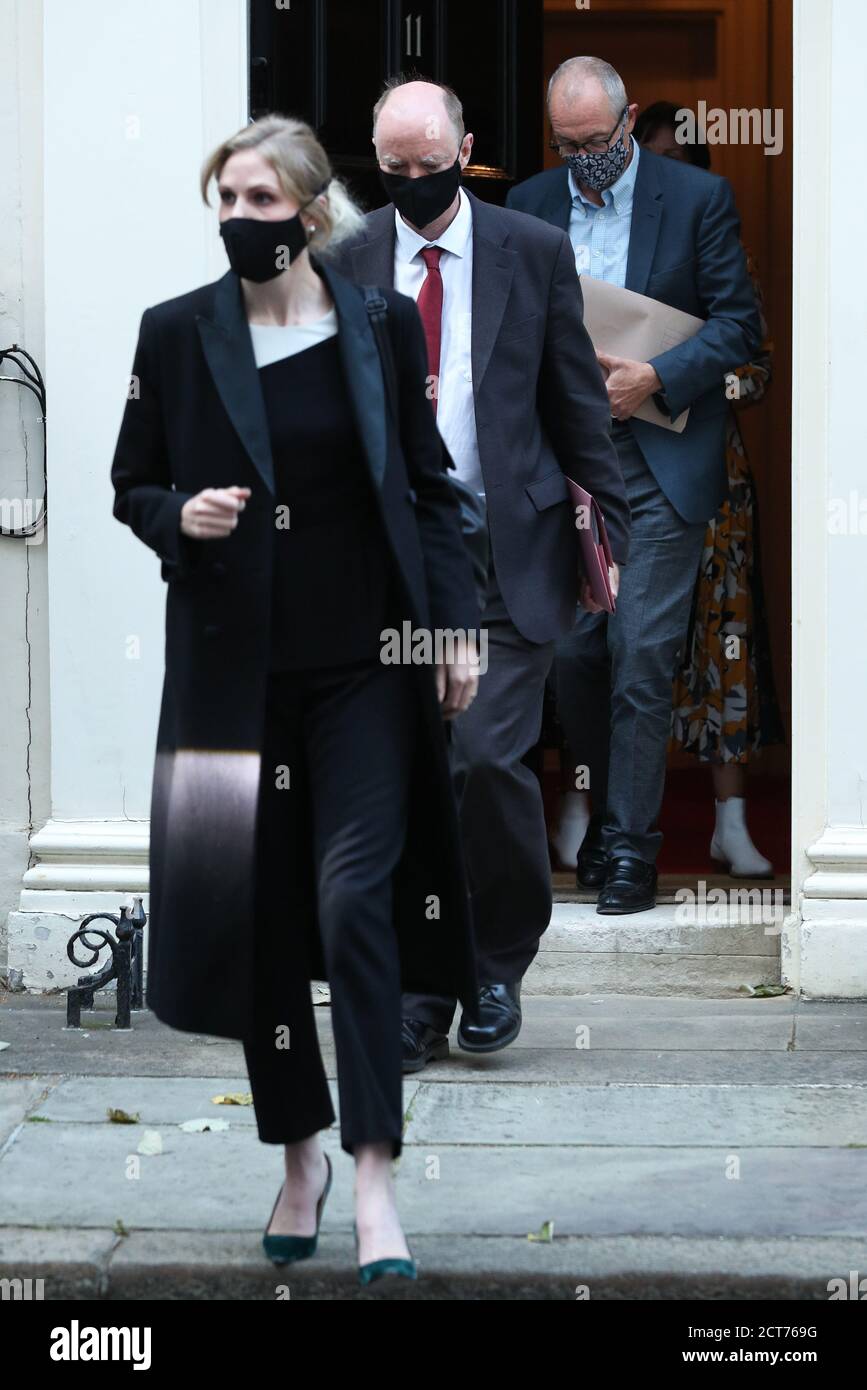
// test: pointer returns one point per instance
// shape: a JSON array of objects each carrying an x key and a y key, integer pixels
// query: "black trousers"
[
  {"x": 334, "y": 792},
  {"x": 501, "y": 811}
]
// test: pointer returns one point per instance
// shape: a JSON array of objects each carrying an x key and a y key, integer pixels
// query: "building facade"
[{"x": 106, "y": 112}]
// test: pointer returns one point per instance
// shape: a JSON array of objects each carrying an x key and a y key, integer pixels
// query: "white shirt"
[
  {"x": 456, "y": 414},
  {"x": 272, "y": 341}
]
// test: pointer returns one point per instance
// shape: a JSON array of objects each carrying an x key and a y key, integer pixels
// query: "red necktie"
[{"x": 430, "y": 306}]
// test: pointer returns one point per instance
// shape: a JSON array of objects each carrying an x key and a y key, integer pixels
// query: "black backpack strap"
[
  {"x": 377, "y": 312},
  {"x": 474, "y": 520}
]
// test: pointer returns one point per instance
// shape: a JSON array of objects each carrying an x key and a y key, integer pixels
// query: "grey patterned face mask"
[{"x": 599, "y": 171}]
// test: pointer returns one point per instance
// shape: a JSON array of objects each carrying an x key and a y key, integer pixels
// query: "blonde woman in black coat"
[{"x": 302, "y": 821}]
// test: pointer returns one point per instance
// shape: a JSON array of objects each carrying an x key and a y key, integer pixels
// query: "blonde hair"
[{"x": 303, "y": 169}]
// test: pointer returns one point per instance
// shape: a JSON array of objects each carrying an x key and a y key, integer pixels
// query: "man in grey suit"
[
  {"x": 521, "y": 405},
  {"x": 665, "y": 229}
]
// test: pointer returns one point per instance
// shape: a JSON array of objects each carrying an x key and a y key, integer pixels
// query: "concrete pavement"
[{"x": 681, "y": 1148}]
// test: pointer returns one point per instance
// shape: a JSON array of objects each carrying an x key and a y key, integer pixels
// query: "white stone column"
[
  {"x": 24, "y": 715},
  {"x": 135, "y": 96},
  {"x": 825, "y": 952}
]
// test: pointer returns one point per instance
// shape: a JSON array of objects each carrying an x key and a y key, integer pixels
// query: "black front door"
[{"x": 326, "y": 61}]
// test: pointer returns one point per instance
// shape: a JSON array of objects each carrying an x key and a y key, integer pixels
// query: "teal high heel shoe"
[
  {"x": 286, "y": 1250},
  {"x": 376, "y": 1269}
]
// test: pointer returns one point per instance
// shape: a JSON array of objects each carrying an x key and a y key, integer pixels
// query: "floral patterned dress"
[{"x": 725, "y": 705}]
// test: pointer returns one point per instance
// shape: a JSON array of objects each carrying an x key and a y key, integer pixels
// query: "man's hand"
[
  {"x": 213, "y": 514},
  {"x": 457, "y": 687},
  {"x": 584, "y": 596},
  {"x": 628, "y": 383}
]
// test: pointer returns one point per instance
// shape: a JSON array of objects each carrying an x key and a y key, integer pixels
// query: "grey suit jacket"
[{"x": 541, "y": 406}]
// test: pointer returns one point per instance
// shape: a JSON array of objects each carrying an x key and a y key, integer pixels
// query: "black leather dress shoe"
[
  {"x": 421, "y": 1044},
  {"x": 592, "y": 868},
  {"x": 630, "y": 886},
  {"x": 592, "y": 858},
  {"x": 499, "y": 1021}
]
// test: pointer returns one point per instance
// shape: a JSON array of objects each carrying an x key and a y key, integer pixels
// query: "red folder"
[{"x": 595, "y": 548}]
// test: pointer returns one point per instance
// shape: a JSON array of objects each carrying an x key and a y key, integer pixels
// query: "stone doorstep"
[
  {"x": 169, "y": 1265},
  {"x": 664, "y": 951},
  {"x": 668, "y": 926},
  {"x": 742, "y": 923},
  {"x": 656, "y": 952}
]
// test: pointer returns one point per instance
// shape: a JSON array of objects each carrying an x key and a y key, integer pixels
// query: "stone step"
[
  {"x": 207, "y": 1265},
  {"x": 703, "y": 948}
]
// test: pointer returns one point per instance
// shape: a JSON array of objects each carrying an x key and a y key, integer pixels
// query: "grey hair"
[
  {"x": 578, "y": 70},
  {"x": 453, "y": 104}
]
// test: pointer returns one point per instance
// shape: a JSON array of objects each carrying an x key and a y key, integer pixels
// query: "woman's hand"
[
  {"x": 458, "y": 681},
  {"x": 213, "y": 514}
]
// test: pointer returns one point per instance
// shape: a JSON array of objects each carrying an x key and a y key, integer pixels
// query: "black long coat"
[{"x": 196, "y": 419}]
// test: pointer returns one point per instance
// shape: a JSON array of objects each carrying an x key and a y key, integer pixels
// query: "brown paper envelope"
[{"x": 625, "y": 324}]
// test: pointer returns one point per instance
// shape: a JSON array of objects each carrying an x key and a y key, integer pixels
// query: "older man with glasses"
[{"x": 670, "y": 231}]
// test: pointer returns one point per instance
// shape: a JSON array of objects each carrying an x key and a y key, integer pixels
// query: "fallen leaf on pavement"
[{"x": 545, "y": 1234}]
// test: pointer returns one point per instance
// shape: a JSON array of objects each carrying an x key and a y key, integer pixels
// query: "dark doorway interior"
[
  {"x": 731, "y": 54},
  {"x": 326, "y": 61}
]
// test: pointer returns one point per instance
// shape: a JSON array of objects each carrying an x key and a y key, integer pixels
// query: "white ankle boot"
[
  {"x": 731, "y": 844},
  {"x": 572, "y": 827}
]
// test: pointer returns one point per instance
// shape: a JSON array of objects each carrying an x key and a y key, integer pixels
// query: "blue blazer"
[{"x": 684, "y": 250}]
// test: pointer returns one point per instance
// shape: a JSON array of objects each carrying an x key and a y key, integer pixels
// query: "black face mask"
[
  {"x": 421, "y": 201},
  {"x": 255, "y": 245}
]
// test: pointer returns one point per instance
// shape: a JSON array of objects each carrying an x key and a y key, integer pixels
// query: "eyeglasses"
[{"x": 566, "y": 147}]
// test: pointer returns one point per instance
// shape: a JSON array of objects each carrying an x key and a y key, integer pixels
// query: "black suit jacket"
[{"x": 540, "y": 401}]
